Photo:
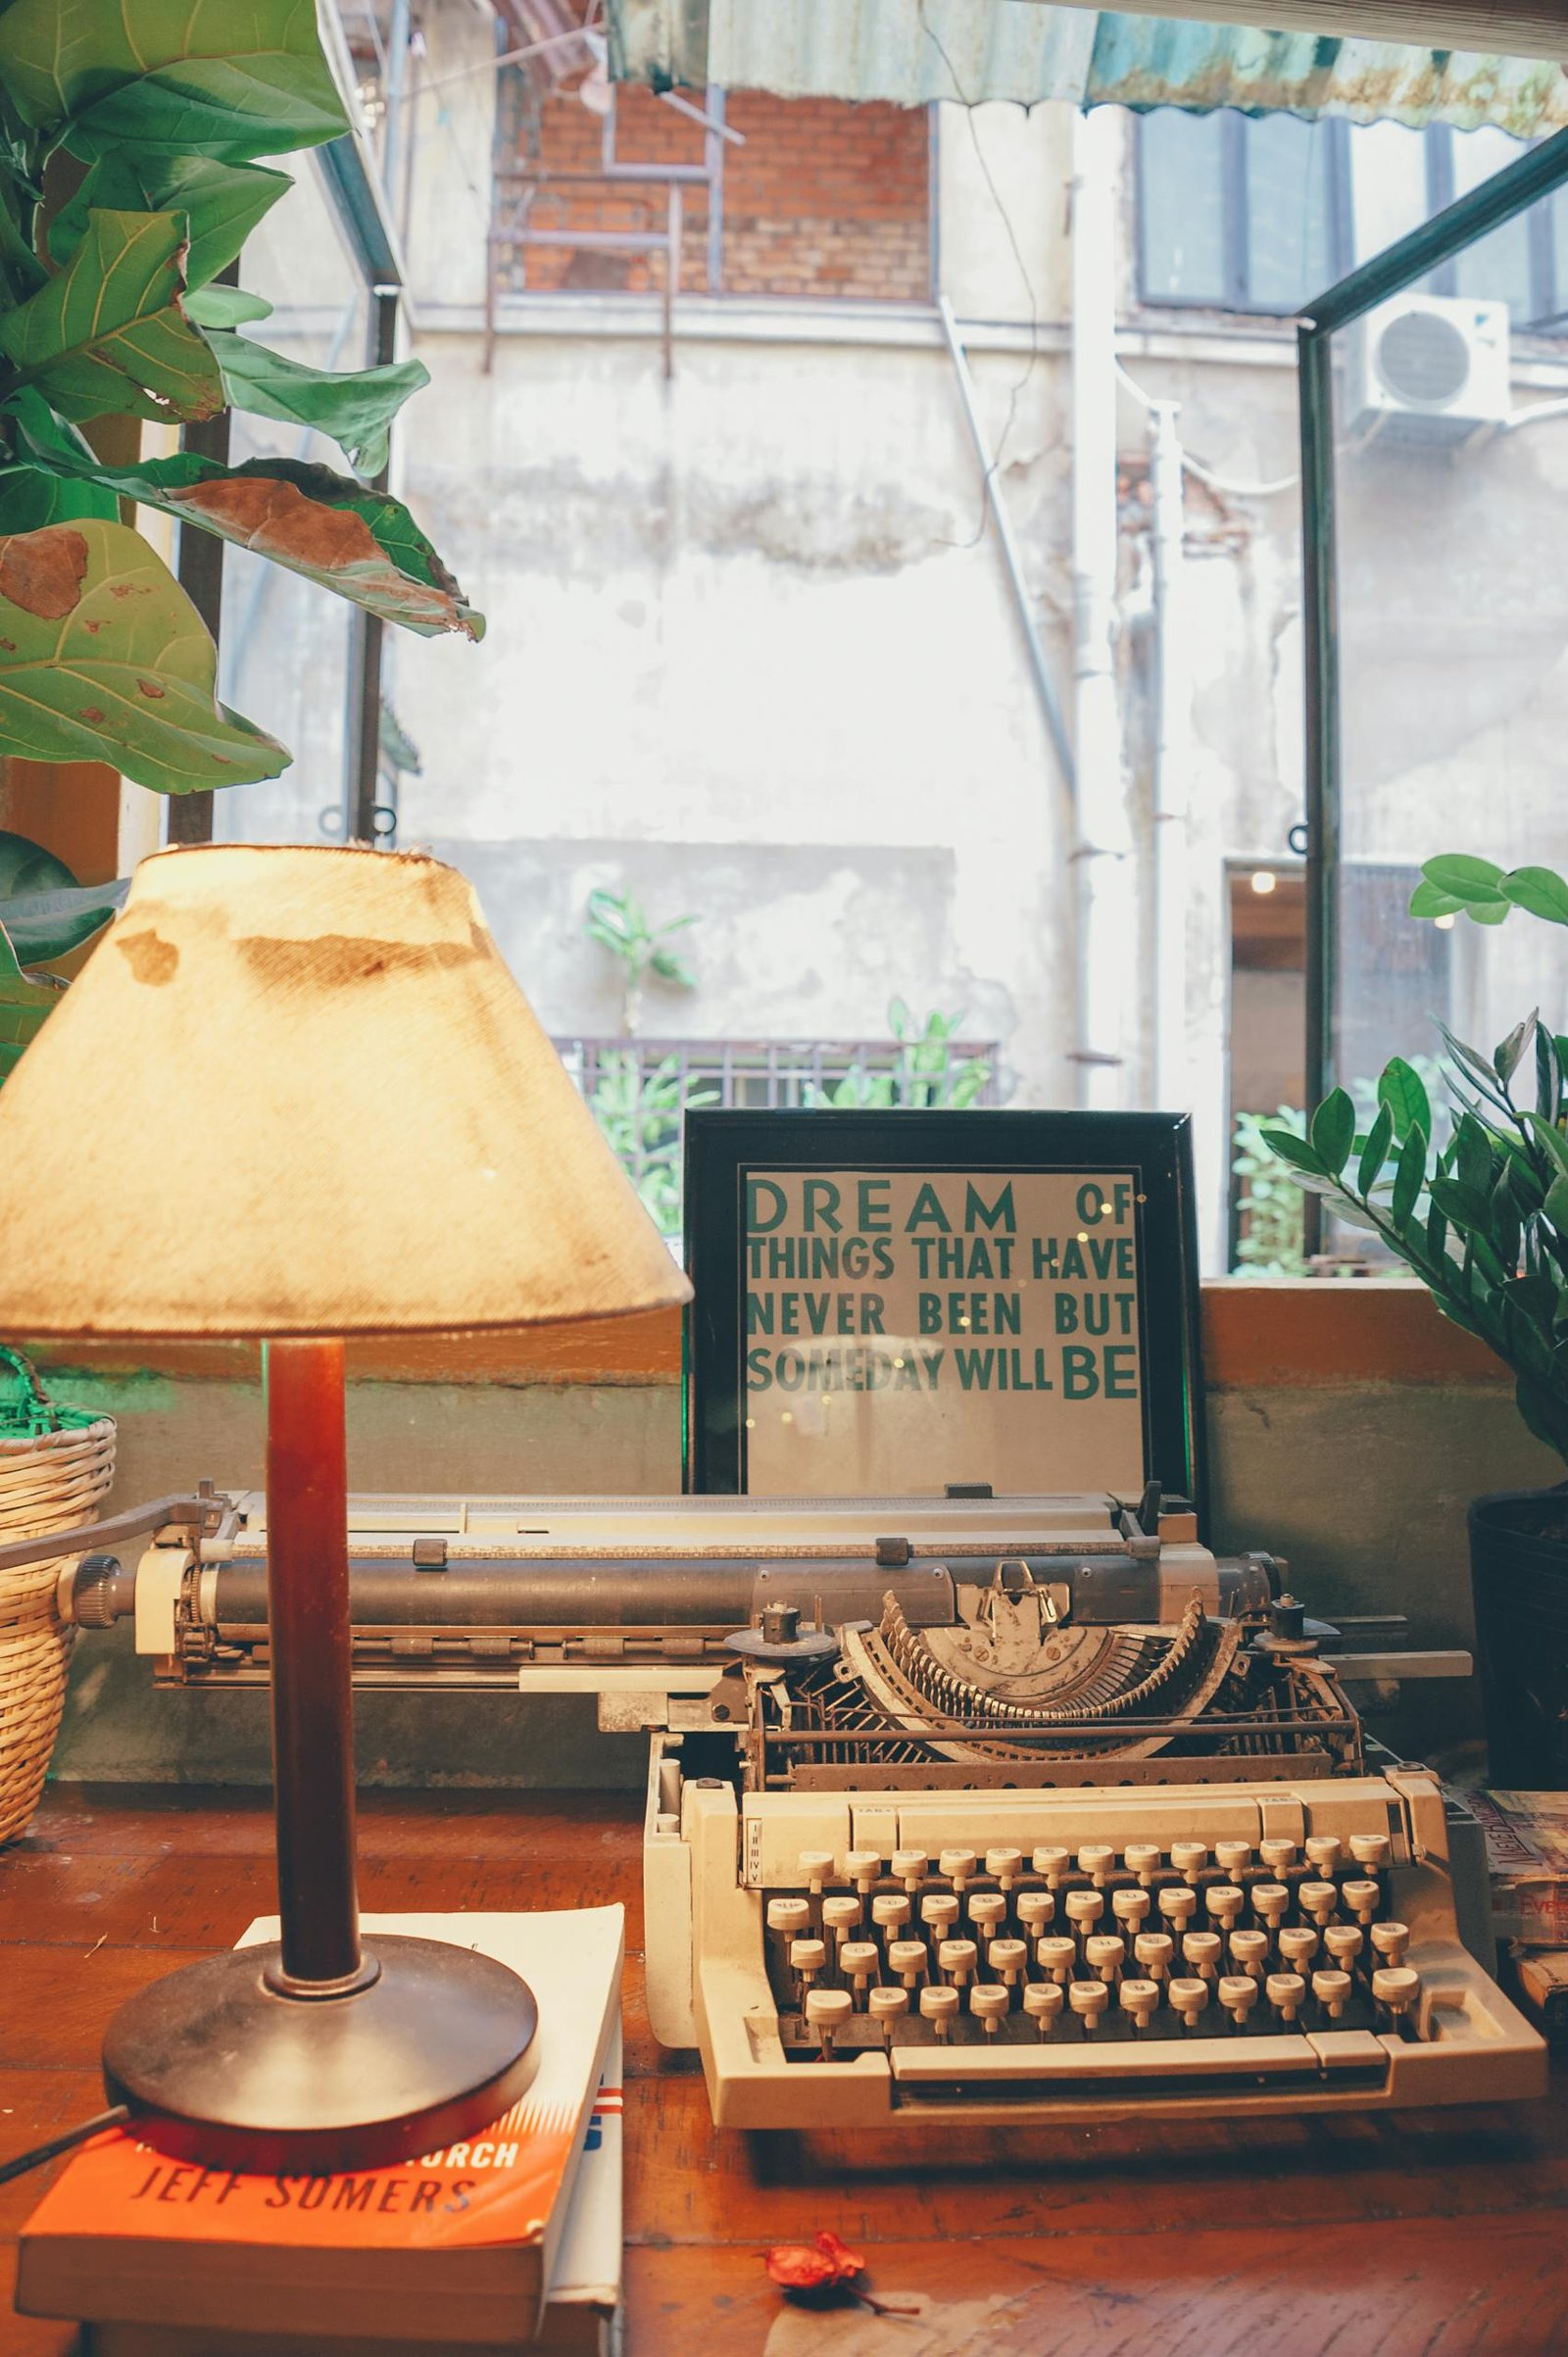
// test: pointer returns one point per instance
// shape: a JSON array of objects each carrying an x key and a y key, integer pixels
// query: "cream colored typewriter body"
[{"x": 960, "y": 1809}]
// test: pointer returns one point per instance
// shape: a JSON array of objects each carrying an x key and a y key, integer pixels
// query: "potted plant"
[{"x": 1481, "y": 1217}]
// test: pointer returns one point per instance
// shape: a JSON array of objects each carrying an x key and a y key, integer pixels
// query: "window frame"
[
  {"x": 1238, "y": 297},
  {"x": 1544, "y": 276}
]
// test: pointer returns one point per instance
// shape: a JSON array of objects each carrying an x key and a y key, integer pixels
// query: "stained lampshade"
[{"x": 297, "y": 1092}]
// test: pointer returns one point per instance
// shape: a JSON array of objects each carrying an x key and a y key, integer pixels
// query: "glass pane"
[
  {"x": 1453, "y": 640},
  {"x": 1387, "y": 185},
  {"x": 285, "y": 644},
  {"x": 1290, "y": 211},
  {"x": 1497, "y": 268},
  {"x": 1182, "y": 214}
]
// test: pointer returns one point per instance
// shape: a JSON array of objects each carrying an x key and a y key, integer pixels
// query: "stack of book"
[{"x": 513, "y": 2237}]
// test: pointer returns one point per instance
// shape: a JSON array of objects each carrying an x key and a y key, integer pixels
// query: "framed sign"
[{"x": 890, "y": 1302}]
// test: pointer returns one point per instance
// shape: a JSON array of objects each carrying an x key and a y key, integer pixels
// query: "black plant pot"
[{"x": 1519, "y": 1578}]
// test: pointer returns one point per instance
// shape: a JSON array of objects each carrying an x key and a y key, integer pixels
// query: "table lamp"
[{"x": 297, "y": 1095}]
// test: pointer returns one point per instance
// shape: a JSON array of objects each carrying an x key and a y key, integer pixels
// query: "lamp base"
[{"x": 219, "y": 2068}]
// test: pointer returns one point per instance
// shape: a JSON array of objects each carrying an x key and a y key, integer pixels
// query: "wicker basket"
[{"x": 56, "y": 1466}]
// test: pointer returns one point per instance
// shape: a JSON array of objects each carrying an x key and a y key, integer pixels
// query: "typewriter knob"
[
  {"x": 826, "y": 2011},
  {"x": 1178, "y": 1904},
  {"x": 807, "y": 1958},
  {"x": 1224, "y": 1902},
  {"x": 1363, "y": 1898},
  {"x": 890, "y": 1911},
  {"x": 1042, "y": 2002},
  {"x": 1250, "y": 1951},
  {"x": 1188, "y": 1996},
  {"x": 817, "y": 1865},
  {"x": 939, "y": 1911},
  {"x": 990, "y": 2004},
  {"x": 1058, "y": 1957},
  {"x": 840, "y": 1916},
  {"x": 789, "y": 1917},
  {"x": 1141, "y": 1998},
  {"x": 1391, "y": 1940},
  {"x": 1085, "y": 1906},
  {"x": 1089, "y": 1999},
  {"x": 1343, "y": 1942},
  {"x": 988, "y": 1911},
  {"x": 1201, "y": 1950},
  {"x": 1238, "y": 1993},
  {"x": 907, "y": 1958},
  {"x": 1007, "y": 1959},
  {"x": 1325, "y": 1851},
  {"x": 1372, "y": 1851},
  {"x": 1035, "y": 1911},
  {"x": 1332, "y": 1989},
  {"x": 1397, "y": 1987},
  {"x": 958, "y": 1866},
  {"x": 908, "y": 1868},
  {"x": 1105, "y": 1955},
  {"x": 1143, "y": 1859},
  {"x": 1130, "y": 1907},
  {"x": 863, "y": 1866},
  {"x": 939, "y": 2006},
  {"x": 1286, "y": 1992},
  {"x": 1319, "y": 1900},
  {"x": 1298, "y": 1945},
  {"x": 956, "y": 1960},
  {"x": 860, "y": 1958},
  {"x": 1005, "y": 1864},
  {"x": 888, "y": 2005},
  {"x": 1278, "y": 1856},
  {"x": 1233, "y": 1858},
  {"x": 1270, "y": 1901},
  {"x": 1155, "y": 1951},
  {"x": 1096, "y": 1859},
  {"x": 1189, "y": 1857},
  {"x": 1052, "y": 1862}
]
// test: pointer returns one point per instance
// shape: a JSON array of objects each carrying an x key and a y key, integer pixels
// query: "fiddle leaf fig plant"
[
  {"x": 44, "y": 915},
  {"x": 128, "y": 181},
  {"x": 1479, "y": 1215}
]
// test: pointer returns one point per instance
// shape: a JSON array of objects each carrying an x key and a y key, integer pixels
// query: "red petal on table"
[
  {"x": 801, "y": 2268},
  {"x": 848, "y": 2262}
]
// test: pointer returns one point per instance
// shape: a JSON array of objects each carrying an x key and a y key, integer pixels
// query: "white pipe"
[
  {"x": 1171, "y": 764},
  {"x": 1107, "y": 949}
]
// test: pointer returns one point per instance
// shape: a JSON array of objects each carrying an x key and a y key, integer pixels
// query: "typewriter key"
[
  {"x": 1200, "y": 1952},
  {"x": 1155, "y": 1951},
  {"x": 1005, "y": 1864},
  {"x": 1143, "y": 1859},
  {"x": 1104, "y": 1956},
  {"x": 1131, "y": 1907},
  {"x": 1085, "y": 1907},
  {"x": 1270, "y": 1901},
  {"x": 840, "y": 1916},
  {"x": 1325, "y": 1851},
  {"x": 1224, "y": 1904},
  {"x": 808, "y": 1958},
  {"x": 1232, "y": 1858},
  {"x": 907, "y": 1958},
  {"x": 957, "y": 1960},
  {"x": 939, "y": 2008},
  {"x": 958, "y": 1866},
  {"x": 1249, "y": 1951},
  {"x": 988, "y": 1912},
  {"x": 1042, "y": 2004},
  {"x": 890, "y": 1912},
  {"x": 1364, "y": 1901},
  {"x": 1052, "y": 1862},
  {"x": 858, "y": 1960},
  {"x": 1343, "y": 1943},
  {"x": 1178, "y": 1904},
  {"x": 1139, "y": 1999},
  {"x": 1007, "y": 1959},
  {"x": 1089, "y": 1999},
  {"x": 1188, "y": 1996},
  {"x": 1286, "y": 1992},
  {"x": 938, "y": 1910},
  {"x": 1298, "y": 1945},
  {"x": 990, "y": 2006},
  {"x": 1096, "y": 1859},
  {"x": 1332, "y": 1991},
  {"x": 1318, "y": 1900},
  {"x": 908, "y": 1868},
  {"x": 1278, "y": 1856},
  {"x": 886, "y": 2007},
  {"x": 1372, "y": 1851},
  {"x": 1391, "y": 1940},
  {"x": 827, "y": 2010},
  {"x": 1035, "y": 1909},
  {"x": 1397, "y": 1987},
  {"x": 1238, "y": 1993},
  {"x": 1058, "y": 1957},
  {"x": 1189, "y": 1857},
  {"x": 863, "y": 1866}
]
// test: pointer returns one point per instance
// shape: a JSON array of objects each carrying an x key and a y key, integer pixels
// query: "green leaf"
[
  {"x": 1539, "y": 892},
  {"x": 1403, "y": 1089},
  {"x": 104, "y": 658},
  {"x": 1552, "y": 1138},
  {"x": 1472, "y": 1063},
  {"x": 1488, "y": 913},
  {"x": 225, "y": 307},
  {"x": 232, "y": 79},
  {"x": 1556, "y": 1207},
  {"x": 362, "y": 544},
  {"x": 45, "y": 925},
  {"x": 1333, "y": 1131},
  {"x": 1375, "y": 1153},
  {"x": 1508, "y": 1052},
  {"x": 60, "y": 489},
  {"x": 222, "y": 203},
  {"x": 354, "y": 410},
  {"x": 106, "y": 335},
  {"x": 1427, "y": 901},
  {"x": 25, "y": 1005},
  {"x": 1409, "y": 1176},
  {"x": 1471, "y": 882},
  {"x": 27, "y": 867},
  {"x": 1293, "y": 1149},
  {"x": 1464, "y": 1206}
]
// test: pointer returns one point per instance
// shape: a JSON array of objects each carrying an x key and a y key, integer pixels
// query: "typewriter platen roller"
[{"x": 958, "y": 1807}]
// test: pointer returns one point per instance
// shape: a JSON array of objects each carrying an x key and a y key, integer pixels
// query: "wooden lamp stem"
[{"x": 313, "y": 1717}]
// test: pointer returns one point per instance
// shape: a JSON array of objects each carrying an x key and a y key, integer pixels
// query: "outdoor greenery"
[
  {"x": 129, "y": 183},
  {"x": 924, "y": 1072},
  {"x": 615, "y": 920},
  {"x": 1271, "y": 1238},
  {"x": 640, "y": 1114},
  {"x": 1482, "y": 1219}
]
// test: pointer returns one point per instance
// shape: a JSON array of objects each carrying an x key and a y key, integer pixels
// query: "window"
[{"x": 1241, "y": 212}]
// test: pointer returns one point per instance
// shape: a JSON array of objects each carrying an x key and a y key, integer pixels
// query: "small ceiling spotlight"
[
  {"x": 1445, "y": 924},
  {"x": 1263, "y": 879}
]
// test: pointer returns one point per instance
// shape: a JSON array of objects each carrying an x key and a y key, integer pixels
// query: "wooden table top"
[{"x": 1432, "y": 2236}]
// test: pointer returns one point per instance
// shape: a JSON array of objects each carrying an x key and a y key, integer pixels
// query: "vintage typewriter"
[{"x": 959, "y": 1808}]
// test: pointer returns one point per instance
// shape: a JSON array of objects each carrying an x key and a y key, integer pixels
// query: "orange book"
[{"x": 458, "y": 2243}]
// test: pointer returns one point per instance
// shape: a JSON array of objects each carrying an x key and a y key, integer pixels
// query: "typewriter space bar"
[{"x": 1162, "y": 2066}]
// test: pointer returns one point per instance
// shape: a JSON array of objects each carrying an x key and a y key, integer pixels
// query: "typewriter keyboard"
[{"x": 1137, "y": 1945}]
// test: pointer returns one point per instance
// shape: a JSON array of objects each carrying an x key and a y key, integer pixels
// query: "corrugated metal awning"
[{"x": 912, "y": 51}]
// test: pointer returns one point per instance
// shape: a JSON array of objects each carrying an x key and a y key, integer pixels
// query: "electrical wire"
[
  {"x": 1207, "y": 475},
  {"x": 116, "y": 2116}
]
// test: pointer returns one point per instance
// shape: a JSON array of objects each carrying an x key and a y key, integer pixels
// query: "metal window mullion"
[
  {"x": 1236, "y": 211},
  {"x": 1440, "y": 196},
  {"x": 366, "y": 635}
]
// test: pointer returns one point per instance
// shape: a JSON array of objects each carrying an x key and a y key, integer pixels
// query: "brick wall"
[{"x": 824, "y": 199}]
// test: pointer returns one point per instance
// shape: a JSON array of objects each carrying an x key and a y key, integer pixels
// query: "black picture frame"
[{"x": 1154, "y": 1150}]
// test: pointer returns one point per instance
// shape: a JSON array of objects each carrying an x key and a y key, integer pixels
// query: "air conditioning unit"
[{"x": 1427, "y": 369}]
